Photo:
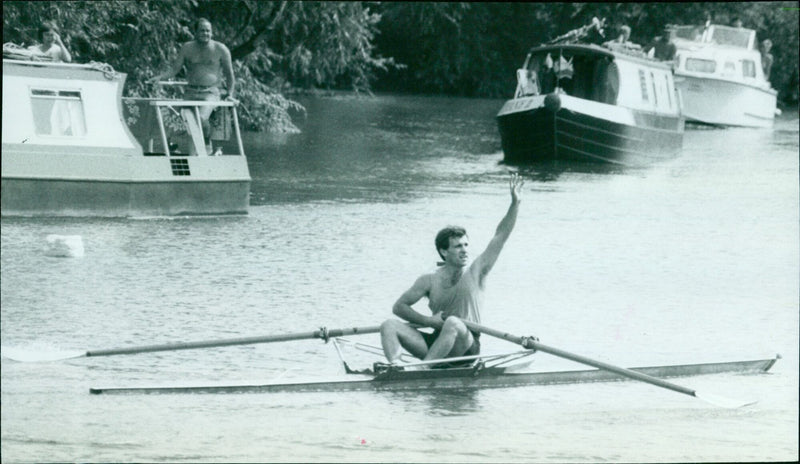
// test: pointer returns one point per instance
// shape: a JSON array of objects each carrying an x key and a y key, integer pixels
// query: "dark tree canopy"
[
  {"x": 473, "y": 48},
  {"x": 274, "y": 44},
  {"x": 456, "y": 48}
]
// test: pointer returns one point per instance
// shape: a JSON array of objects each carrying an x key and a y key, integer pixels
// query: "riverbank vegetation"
[{"x": 464, "y": 48}]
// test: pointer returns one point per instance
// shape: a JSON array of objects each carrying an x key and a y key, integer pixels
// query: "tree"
[
  {"x": 473, "y": 48},
  {"x": 275, "y": 45}
]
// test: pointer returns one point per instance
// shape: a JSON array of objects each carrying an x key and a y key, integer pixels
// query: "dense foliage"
[
  {"x": 473, "y": 48},
  {"x": 461, "y": 48},
  {"x": 274, "y": 44}
]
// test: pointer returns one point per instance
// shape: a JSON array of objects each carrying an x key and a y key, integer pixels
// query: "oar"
[
  {"x": 528, "y": 342},
  {"x": 322, "y": 333}
]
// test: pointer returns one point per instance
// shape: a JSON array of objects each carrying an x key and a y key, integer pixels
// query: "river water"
[{"x": 691, "y": 260}]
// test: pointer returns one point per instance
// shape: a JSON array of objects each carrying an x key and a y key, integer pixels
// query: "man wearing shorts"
[
  {"x": 454, "y": 292},
  {"x": 204, "y": 58}
]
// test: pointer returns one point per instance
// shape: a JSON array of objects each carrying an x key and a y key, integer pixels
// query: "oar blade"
[
  {"x": 723, "y": 401},
  {"x": 39, "y": 355}
]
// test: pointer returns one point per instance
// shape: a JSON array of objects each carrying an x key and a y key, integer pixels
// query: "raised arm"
[
  {"x": 65, "y": 55},
  {"x": 402, "y": 307},
  {"x": 486, "y": 260}
]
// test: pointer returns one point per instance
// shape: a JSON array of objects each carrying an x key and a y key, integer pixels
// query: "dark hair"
[
  {"x": 46, "y": 27},
  {"x": 199, "y": 22},
  {"x": 443, "y": 237}
]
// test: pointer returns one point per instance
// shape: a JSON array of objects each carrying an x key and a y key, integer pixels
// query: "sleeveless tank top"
[{"x": 462, "y": 300}]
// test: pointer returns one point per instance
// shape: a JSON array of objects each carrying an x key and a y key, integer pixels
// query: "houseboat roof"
[
  {"x": 632, "y": 55},
  {"x": 58, "y": 69}
]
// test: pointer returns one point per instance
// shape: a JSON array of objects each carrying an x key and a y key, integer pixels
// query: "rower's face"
[
  {"x": 457, "y": 253},
  {"x": 204, "y": 32}
]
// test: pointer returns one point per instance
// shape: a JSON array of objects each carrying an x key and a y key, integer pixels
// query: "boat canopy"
[{"x": 595, "y": 73}]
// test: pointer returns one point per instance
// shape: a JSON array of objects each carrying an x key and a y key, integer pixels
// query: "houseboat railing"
[{"x": 196, "y": 105}]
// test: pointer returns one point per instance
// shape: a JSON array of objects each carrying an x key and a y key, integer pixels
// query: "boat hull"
[
  {"x": 459, "y": 378},
  {"x": 537, "y": 128},
  {"x": 39, "y": 184},
  {"x": 724, "y": 102}
]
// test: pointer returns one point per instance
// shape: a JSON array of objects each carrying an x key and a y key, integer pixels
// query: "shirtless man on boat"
[
  {"x": 204, "y": 58},
  {"x": 454, "y": 292}
]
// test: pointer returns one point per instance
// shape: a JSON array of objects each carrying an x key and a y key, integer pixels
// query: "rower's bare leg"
[
  {"x": 454, "y": 340},
  {"x": 396, "y": 336}
]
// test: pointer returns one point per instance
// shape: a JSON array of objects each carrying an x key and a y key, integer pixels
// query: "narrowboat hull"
[{"x": 564, "y": 128}]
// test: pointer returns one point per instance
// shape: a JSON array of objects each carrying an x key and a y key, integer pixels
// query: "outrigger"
[{"x": 483, "y": 371}]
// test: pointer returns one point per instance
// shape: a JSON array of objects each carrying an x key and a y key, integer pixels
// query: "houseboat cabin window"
[
  {"x": 729, "y": 69},
  {"x": 699, "y": 65},
  {"x": 653, "y": 85},
  {"x": 58, "y": 112},
  {"x": 643, "y": 84},
  {"x": 666, "y": 86},
  {"x": 748, "y": 68}
]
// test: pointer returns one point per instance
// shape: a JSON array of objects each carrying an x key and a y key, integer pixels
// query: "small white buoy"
[{"x": 64, "y": 246}]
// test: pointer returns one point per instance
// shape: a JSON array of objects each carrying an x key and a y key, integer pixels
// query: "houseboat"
[
  {"x": 578, "y": 101},
  {"x": 72, "y": 146},
  {"x": 720, "y": 78}
]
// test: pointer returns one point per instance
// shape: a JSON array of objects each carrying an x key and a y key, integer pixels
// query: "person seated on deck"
[
  {"x": 454, "y": 292},
  {"x": 204, "y": 58},
  {"x": 548, "y": 75},
  {"x": 662, "y": 48},
  {"x": 623, "y": 37},
  {"x": 50, "y": 43}
]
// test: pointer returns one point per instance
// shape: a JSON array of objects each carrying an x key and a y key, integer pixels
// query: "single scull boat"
[
  {"x": 454, "y": 378},
  {"x": 485, "y": 371}
]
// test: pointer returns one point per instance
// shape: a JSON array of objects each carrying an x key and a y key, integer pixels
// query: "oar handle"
[{"x": 322, "y": 333}]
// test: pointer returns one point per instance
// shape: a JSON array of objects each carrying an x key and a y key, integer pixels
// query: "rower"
[{"x": 454, "y": 292}]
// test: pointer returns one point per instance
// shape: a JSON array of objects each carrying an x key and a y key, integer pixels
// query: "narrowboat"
[{"x": 578, "y": 101}]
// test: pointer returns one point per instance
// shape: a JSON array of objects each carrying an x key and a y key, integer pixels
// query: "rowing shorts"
[{"x": 473, "y": 350}]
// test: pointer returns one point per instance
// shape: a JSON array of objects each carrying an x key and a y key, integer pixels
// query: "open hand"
[{"x": 515, "y": 183}]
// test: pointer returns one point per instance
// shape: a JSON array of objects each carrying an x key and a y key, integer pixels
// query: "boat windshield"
[
  {"x": 692, "y": 33},
  {"x": 731, "y": 36}
]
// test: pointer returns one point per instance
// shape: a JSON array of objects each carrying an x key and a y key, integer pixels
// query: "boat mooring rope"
[{"x": 105, "y": 68}]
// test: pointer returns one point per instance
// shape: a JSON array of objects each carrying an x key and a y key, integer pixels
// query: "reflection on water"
[
  {"x": 374, "y": 149},
  {"x": 551, "y": 171},
  {"x": 454, "y": 402}
]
